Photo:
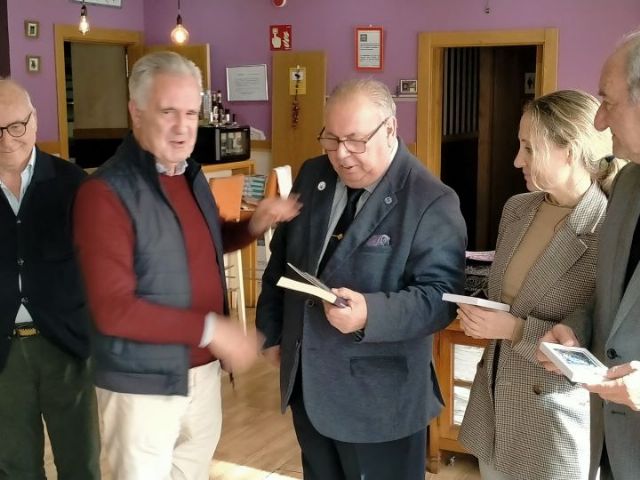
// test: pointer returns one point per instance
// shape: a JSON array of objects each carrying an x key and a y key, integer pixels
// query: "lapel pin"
[
  {"x": 388, "y": 200},
  {"x": 322, "y": 186}
]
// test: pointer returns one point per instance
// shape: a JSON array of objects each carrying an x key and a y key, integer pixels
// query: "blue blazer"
[{"x": 383, "y": 387}]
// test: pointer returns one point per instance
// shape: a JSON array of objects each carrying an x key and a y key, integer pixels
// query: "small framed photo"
[
  {"x": 33, "y": 64},
  {"x": 408, "y": 87},
  {"x": 31, "y": 28}
]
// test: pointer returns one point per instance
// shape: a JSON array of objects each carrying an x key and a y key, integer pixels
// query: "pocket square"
[{"x": 379, "y": 241}]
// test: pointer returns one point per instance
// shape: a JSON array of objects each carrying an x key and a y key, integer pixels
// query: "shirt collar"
[
  {"x": 27, "y": 173},
  {"x": 180, "y": 168}
]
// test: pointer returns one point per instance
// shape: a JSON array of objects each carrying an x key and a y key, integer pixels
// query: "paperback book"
[{"x": 311, "y": 285}]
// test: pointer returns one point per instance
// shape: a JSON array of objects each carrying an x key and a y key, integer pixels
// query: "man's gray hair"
[
  {"x": 632, "y": 43},
  {"x": 6, "y": 81},
  {"x": 374, "y": 90},
  {"x": 157, "y": 63}
]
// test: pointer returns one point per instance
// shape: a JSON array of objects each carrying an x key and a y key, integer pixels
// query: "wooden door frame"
[
  {"x": 70, "y": 33},
  {"x": 431, "y": 47}
]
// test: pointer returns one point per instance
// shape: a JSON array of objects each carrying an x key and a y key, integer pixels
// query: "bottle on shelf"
[
  {"x": 206, "y": 106},
  {"x": 215, "y": 115}
]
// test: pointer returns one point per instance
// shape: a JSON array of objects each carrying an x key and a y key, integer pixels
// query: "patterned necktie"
[{"x": 349, "y": 212}]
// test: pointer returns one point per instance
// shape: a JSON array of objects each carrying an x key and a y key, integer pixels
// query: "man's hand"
[
  {"x": 623, "y": 386},
  {"x": 271, "y": 211},
  {"x": 558, "y": 334},
  {"x": 272, "y": 355},
  {"x": 235, "y": 350},
  {"x": 478, "y": 322},
  {"x": 347, "y": 319}
]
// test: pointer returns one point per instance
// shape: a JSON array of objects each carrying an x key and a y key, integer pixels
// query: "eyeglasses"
[
  {"x": 16, "y": 129},
  {"x": 331, "y": 144}
]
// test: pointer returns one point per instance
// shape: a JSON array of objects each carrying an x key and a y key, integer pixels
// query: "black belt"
[{"x": 26, "y": 330}]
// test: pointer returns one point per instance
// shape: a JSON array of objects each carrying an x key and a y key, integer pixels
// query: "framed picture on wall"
[
  {"x": 247, "y": 83},
  {"x": 408, "y": 87},
  {"x": 369, "y": 48},
  {"x": 105, "y": 3},
  {"x": 33, "y": 64},
  {"x": 31, "y": 28}
]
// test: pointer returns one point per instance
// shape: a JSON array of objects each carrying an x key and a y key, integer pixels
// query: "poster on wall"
[
  {"x": 369, "y": 48},
  {"x": 247, "y": 83},
  {"x": 280, "y": 37}
]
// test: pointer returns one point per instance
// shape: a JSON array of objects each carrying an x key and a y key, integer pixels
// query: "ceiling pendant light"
[
  {"x": 179, "y": 34},
  {"x": 84, "y": 26}
]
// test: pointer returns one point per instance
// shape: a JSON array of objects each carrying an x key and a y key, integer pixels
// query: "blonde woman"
[{"x": 523, "y": 422}]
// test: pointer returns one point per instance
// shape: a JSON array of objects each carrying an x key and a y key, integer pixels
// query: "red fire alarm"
[{"x": 279, "y": 3}]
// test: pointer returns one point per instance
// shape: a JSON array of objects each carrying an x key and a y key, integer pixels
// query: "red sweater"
[{"x": 105, "y": 241}]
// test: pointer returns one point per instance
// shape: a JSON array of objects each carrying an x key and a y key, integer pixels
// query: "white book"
[
  {"x": 479, "y": 302},
  {"x": 312, "y": 286},
  {"x": 576, "y": 363}
]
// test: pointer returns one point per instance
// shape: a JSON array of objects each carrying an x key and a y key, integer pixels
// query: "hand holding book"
[
  {"x": 312, "y": 286},
  {"x": 342, "y": 320}
]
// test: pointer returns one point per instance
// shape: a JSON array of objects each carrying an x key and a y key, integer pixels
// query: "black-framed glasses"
[
  {"x": 16, "y": 129},
  {"x": 331, "y": 144}
]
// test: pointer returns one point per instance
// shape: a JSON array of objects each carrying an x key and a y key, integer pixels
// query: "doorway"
[
  {"x": 484, "y": 91},
  {"x": 101, "y": 39},
  {"x": 96, "y": 87},
  {"x": 467, "y": 77}
]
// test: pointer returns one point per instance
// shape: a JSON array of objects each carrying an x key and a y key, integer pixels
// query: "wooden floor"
[{"x": 259, "y": 443}]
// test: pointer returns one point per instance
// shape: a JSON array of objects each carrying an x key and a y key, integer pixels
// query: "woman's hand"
[{"x": 478, "y": 322}]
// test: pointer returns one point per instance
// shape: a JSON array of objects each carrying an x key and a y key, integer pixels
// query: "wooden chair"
[{"x": 227, "y": 192}]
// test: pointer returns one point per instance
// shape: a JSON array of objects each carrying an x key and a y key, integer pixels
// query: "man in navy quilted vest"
[{"x": 150, "y": 244}]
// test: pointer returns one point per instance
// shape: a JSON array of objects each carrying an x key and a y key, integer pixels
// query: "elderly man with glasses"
[
  {"x": 389, "y": 238},
  {"x": 44, "y": 343}
]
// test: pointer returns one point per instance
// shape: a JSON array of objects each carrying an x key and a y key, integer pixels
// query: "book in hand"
[
  {"x": 479, "y": 302},
  {"x": 576, "y": 363},
  {"x": 312, "y": 286}
]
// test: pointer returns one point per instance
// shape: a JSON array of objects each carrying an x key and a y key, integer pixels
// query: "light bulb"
[
  {"x": 179, "y": 34},
  {"x": 84, "y": 26}
]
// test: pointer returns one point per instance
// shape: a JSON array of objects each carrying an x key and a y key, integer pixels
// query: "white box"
[
  {"x": 479, "y": 302},
  {"x": 576, "y": 363}
]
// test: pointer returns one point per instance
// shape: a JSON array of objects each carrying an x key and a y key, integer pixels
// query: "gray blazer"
[
  {"x": 383, "y": 387},
  {"x": 531, "y": 423},
  {"x": 610, "y": 327}
]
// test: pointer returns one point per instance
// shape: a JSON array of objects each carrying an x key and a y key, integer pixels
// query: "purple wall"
[
  {"x": 238, "y": 33},
  {"x": 42, "y": 86}
]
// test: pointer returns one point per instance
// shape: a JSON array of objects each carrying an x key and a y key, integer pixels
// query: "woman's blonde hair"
[{"x": 565, "y": 119}]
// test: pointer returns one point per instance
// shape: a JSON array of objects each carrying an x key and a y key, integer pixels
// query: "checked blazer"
[{"x": 527, "y": 422}]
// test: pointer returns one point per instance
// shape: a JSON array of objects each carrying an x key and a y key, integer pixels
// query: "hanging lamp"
[
  {"x": 179, "y": 34},
  {"x": 84, "y": 26}
]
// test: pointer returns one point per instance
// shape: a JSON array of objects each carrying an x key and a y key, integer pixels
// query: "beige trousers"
[{"x": 163, "y": 437}]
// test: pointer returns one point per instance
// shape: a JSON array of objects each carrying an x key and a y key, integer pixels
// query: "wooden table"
[{"x": 443, "y": 430}]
